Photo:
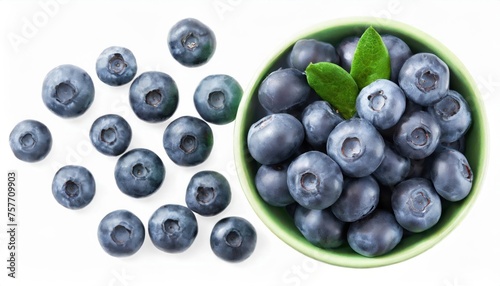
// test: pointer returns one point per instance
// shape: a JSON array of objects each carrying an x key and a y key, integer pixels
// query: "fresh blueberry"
[
  {"x": 451, "y": 175},
  {"x": 188, "y": 141},
  {"x": 417, "y": 135},
  {"x": 314, "y": 180},
  {"x": 306, "y": 51},
  {"x": 73, "y": 187},
  {"x": 270, "y": 182},
  {"x": 359, "y": 198},
  {"x": 320, "y": 227},
  {"x": 191, "y": 42},
  {"x": 416, "y": 205},
  {"x": 356, "y": 146},
  {"x": 453, "y": 115},
  {"x": 154, "y": 96},
  {"x": 116, "y": 66},
  {"x": 30, "y": 140},
  {"x": 284, "y": 90},
  {"x": 139, "y": 173},
  {"x": 275, "y": 138},
  {"x": 319, "y": 119},
  {"x": 399, "y": 52},
  {"x": 394, "y": 167},
  {"x": 217, "y": 98},
  {"x": 121, "y": 233},
  {"x": 382, "y": 103},
  {"x": 375, "y": 235},
  {"x": 68, "y": 91},
  {"x": 346, "y": 49},
  {"x": 110, "y": 134},
  {"x": 233, "y": 239},
  {"x": 424, "y": 78},
  {"x": 208, "y": 193},
  {"x": 173, "y": 228}
]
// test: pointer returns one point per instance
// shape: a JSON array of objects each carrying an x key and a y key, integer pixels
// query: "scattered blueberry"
[
  {"x": 399, "y": 52},
  {"x": 139, "y": 173},
  {"x": 319, "y": 119},
  {"x": 116, "y": 66},
  {"x": 30, "y": 140},
  {"x": 173, "y": 228},
  {"x": 233, "y": 239},
  {"x": 191, "y": 42},
  {"x": 345, "y": 50},
  {"x": 453, "y": 115},
  {"x": 308, "y": 51},
  {"x": 121, "y": 233},
  {"x": 68, "y": 91},
  {"x": 110, "y": 134},
  {"x": 188, "y": 141},
  {"x": 73, "y": 187},
  {"x": 154, "y": 96},
  {"x": 208, "y": 193},
  {"x": 359, "y": 198},
  {"x": 270, "y": 182},
  {"x": 394, "y": 167},
  {"x": 217, "y": 98},
  {"x": 320, "y": 227}
]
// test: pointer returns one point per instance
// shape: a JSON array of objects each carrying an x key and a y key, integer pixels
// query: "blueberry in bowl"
[{"x": 426, "y": 84}]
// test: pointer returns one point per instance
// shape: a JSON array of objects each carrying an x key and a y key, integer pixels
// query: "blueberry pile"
[
  {"x": 68, "y": 91},
  {"x": 368, "y": 180}
]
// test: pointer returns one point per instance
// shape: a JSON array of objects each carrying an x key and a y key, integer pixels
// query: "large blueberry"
[
  {"x": 208, "y": 193},
  {"x": 345, "y": 50},
  {"x": 307, "y": 51},
  {"x": 116, "y": 66},
  {"x": 453, "y": 115},
  {"x": 275, "y": 138},
  {"x": 356, "y": 146},
  {"x": 173, "y": 228},
  {"x": 233, "y": 239},
  {"x": 73, "y": 186},
  {"x": 314, "y": 180},
  {"x": 320, "y": 227},
  {"x": 394, "y": 167},
  {"x": 188, "y": 141},
  {"x": 30, "y": 140},
  {"x": 359, "y": 198},
  {"x": 217, "y": 98},
  {"x": 68, "y": 91},
  {"x": 399, "y": 52},
  {"x": 110, "y": 134},
  {"x": 154, "y": 96},
  {"x": 270, "y": 182},
  {"x": 319, "y": 119},
  {"x": 139, "y": 173},
  {"x": 191, "y": 42}
]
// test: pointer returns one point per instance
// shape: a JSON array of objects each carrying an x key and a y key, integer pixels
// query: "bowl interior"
[{"x": 278, "y": 220}]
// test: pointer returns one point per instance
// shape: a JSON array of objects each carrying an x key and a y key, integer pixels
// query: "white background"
[{"x": 59, "y": 247}]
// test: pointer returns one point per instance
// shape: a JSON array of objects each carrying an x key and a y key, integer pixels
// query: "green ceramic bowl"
[{"x": 277, "y": 219}]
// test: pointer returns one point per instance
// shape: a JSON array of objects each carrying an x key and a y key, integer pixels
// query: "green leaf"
[
  {"x": 371, "y": 59},
  {"x": 334, "y": 85}
]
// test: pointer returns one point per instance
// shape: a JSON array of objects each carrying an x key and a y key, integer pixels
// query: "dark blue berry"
[
  {"x": 73, "y": 187},
  {"x": 116, "y": 66},
  {"x": 307, "y": 51},
  {"x": 320, "y": 227},
  {"x": 399, "y": 52},
  {"x": 359, "y": 198},
  {"x": 319, "y": 119},
  {"x": 233, "y": 239},
  {"x": 30, "y": 140},
  {"x": 453, "y": 115},
  {"x": 270, "y": 182},
  {"x": 110, "y": 134},
  {"x": 394, "y": 167},
  {"x": 345, "y": 50},
  {"x": 208, "y": 193}
]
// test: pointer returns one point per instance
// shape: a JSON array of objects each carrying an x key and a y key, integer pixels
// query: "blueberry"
[
  {"x": 356, "y": 146},
  {"x": 191, "y": 42},
  {"x": 68, "y": 91},
  {"x": 417, "y": 135},
  {"x": 306, "y": 51},
  {"x": 275, "y": 138},
  {"x": 270, "y": 182},
  {"x": 424, "y": 78},
  {"x": 116, "y": 66},
  {"x": 233, "y": 239},
  {"x": 320, "y": 227},
  {"x": 399, "y": 52},
  {"x": 154, "y": 96},
  {"x": 375, "y": 235},
  {"x": 188, "y": 141},
  {"x": 110, "y": 134},
  {"x": 394, "y": 167},
  {"x": 416, "y": 205},
  {"x": 346, "y": 49},
  {"x": 173, "y": 228},
  {"x": 284, "y": 90},
  {"x": 73, "y": 187},
  {"x": 382, "y": 103},
  {"x": 217, "y": 98},
  {"x": 451, "y": 175},
  {"x": 319, "y": 119},
  {"x": 121, "y": 233},
  {"x": 139, "y": 173},
  {"x": 208, "y": 193},
  {"x": 314, "y": 180},
  {"x": 30, "y": 140},
  {"x": 453, "y": 115},
  {"x": 359, "y": 198}
]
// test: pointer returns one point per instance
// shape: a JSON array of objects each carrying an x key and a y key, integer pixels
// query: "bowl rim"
[{"x": 241, "y": 155}]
